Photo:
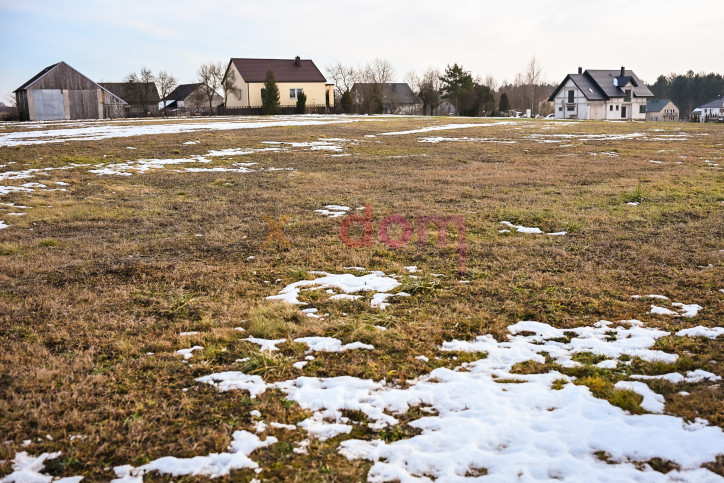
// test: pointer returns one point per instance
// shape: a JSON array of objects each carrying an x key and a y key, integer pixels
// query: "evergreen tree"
[
  {"x": 301, "y": 103},
  {"x": 346, "y": 101},
  {"x": 270, "y": 95},
  {"x": 456, "y": 85},
  {"x": 504, "y": 104}
]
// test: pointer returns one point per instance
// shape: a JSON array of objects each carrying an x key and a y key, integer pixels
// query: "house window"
[
  {"x": 642, "y": 109},
  {"x": 571, "y": 96},
  {"x": 294, "y": 93},
  {"x": 571, "y": 108},
  {"x": 610, "y": 108},
  {"x": 617, "y": 107},
  {"x": 627, "y": 95},
  {"x": 560, "y": 109}
]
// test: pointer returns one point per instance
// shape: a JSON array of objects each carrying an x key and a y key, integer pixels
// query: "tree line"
[{"x": 454, "y": 88}]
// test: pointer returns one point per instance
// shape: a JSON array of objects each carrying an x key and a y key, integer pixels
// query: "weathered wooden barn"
[{"x": 61, "y": 92}]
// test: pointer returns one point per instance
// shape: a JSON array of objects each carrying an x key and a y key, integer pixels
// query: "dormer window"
[{"x": 627, "y": 95}]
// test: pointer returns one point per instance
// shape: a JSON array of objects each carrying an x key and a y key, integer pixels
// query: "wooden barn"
[{"x": 61, "y": 92}]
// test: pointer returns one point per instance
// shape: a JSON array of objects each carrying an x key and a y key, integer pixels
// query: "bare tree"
[
  {"x": 427, "y": 86},
  {"x": 228, "y": 85},
  {"x": 378, "y": 71},
  {"x": 211, "y": 76},
  {"x": 140, "y": 88},
  {"x": 344, "y": 78},
  {"x": 490, "y": 82},
  {"x": 532, "y": 77},
  {"x": 166, "y": 83}
]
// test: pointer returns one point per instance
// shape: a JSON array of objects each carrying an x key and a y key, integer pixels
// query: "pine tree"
[
  {"x": 377, "y": 105},
  {"x": 504, "y": 104},
  {"x": 301, "y": 103},
  {"x": 270, "y": 95}
]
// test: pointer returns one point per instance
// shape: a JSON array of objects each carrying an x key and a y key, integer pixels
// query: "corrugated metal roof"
[{"x": 285, "y": 70}]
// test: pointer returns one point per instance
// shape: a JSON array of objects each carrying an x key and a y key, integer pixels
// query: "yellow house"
[{"x": 245, "y": 77}]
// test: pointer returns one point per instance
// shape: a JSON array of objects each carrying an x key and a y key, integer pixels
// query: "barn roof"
[
  {"x": 37, "y": 76},
  {"x": 598, "y": 85},
  {"x": 285, "y": 70},
  {"x": 129, "y": 91}
]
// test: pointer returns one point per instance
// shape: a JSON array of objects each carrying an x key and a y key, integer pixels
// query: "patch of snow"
[
  {"x": 28, "y": 469},
  {"x": 700, "y": 331},
  {"x": 187, "y": 353},
  {"x": 330, "y": 344},
  {"x": 521, "y": 228},
  {"x": 183, "y": 334},
  {"x": 346, "y": 282},
  {"x": 213, "y": 466},
  {"x": 235, "y": 380},
  {"x": 265, "y": 344}
]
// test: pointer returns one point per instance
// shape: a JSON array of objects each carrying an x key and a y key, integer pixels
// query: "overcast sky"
[{"x": 108, "y": 39}]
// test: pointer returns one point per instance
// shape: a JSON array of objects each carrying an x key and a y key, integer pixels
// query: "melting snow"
[
  {"x": 699, "y": 331},
  {"x": 346, "y": 282},
  {"x": 526, "y": 229},
  {"x": 515, "y": 426},
  {"x": 213, "y": 466},
  {"x": 330, "y": 344},
  {"x": 28, "y": 469}
]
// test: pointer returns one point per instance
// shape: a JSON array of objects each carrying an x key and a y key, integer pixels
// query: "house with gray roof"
[
  {"x": 601, "y": 94},
  {"x": 190, "y": 98},
  {"x": 712, "y": 110},
  {"x": 661, "y": 110}
]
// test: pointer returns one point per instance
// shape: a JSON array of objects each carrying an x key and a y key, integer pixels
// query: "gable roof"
[
  {"x": 716, "y": 103},
  {"x": 129, "y": 91},
  {"x": 655, "y": 105},
  {"x": 37, "y": 76},
  {"x": 285, "y": 70},
  {"x": 182, "y": 91},
  {"x": 399, "y": 91},
  {"x": 598, "y": 85}
]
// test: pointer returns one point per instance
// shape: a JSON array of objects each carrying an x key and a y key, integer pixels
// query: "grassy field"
[{"x": 101, "y": 273}]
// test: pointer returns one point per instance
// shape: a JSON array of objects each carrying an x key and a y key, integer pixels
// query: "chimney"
[
  {"x": 580, "y": 70},
  {"x": 623, "y": 71},
  {"x": 297, "y": 61}
]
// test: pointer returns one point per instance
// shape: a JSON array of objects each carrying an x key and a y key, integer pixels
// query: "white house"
[
  {"x": 601, "y": 94},
  {"x": 712, "y": 110}
]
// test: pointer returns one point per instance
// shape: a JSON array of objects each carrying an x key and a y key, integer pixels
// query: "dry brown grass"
[{"x": 112, "y": 270}]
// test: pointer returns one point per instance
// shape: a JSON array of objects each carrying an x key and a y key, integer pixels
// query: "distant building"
[
  {"x": 190, "y": 98},
  {"x": 397, "y": 97},
  {"x": 712, "y": 110},
  {"x": 141, "y": 97},
  {"x": 61, "y": 92},
  {"x": 601, "y": 94},
  {"x": 293, "y": 76},
  {"x": 661, "y": 110}
]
